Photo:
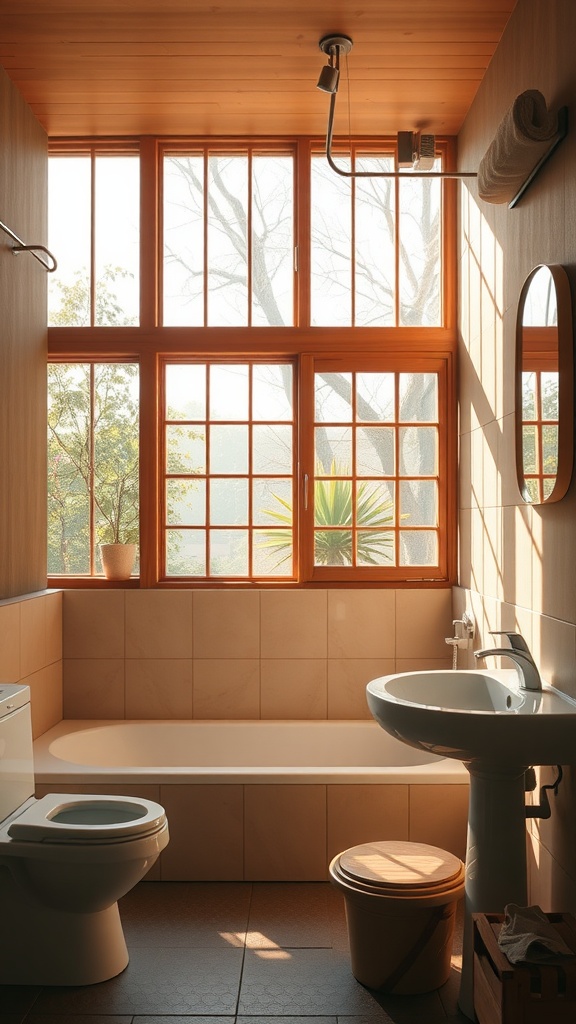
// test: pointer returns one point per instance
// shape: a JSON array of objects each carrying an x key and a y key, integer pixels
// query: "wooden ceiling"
[{"x": 246, "y": 67}]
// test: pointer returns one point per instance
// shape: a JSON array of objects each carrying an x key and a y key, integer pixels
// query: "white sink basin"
[{"x": 476, "y": 716}]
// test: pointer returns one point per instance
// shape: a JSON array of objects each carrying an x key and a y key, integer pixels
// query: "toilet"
[{"x": 65, "y": 861}]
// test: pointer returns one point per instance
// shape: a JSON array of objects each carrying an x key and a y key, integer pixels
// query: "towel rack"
[{"x": 32, "y": 249}]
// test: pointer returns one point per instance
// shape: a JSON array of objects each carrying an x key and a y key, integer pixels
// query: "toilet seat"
[{"x": 79, "y": 818}]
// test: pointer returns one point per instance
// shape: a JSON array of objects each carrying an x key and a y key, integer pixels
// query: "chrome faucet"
[{"x": 519, "y": 653}]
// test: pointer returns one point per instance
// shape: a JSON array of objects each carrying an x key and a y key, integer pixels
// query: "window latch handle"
[{"x": 305, "y": 482}]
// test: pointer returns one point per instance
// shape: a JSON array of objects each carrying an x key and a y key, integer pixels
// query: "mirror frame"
[{"x": 565, "y": 385}]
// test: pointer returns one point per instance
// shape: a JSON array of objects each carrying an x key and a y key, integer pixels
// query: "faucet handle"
[{"x": 517, "y": 641}]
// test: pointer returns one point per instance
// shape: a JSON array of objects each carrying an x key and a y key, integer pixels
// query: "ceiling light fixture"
[{"x": 416, "y": 152}]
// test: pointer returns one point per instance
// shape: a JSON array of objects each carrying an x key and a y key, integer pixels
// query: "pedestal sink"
[{"x": 485, "y": 719}]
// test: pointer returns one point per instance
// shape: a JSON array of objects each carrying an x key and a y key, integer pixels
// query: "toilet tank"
[{"x": 16, "y": 758}]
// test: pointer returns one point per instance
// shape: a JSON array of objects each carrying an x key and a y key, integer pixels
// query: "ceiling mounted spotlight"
[{"x": 421, "y": 147}]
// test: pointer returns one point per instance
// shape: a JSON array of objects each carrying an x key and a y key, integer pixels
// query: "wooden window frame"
[{"x": 150, "y": 344}]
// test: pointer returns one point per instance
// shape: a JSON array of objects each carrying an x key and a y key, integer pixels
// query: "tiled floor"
[{"x": 232, "y": 953}]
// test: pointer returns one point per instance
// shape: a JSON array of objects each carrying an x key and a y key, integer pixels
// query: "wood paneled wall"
[{"x": 23, "y": 208}]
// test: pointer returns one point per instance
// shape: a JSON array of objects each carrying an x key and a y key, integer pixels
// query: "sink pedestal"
[{"x": 495, "y": 855}]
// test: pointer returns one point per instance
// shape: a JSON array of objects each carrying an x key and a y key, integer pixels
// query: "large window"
[{"x": 252, "y": 364}]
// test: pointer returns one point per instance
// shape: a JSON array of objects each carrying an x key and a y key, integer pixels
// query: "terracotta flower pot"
[{"x": 118, "y": 560}]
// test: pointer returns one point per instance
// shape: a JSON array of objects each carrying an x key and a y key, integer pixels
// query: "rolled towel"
[
  {"x": 527, "y": 935},
  {"x": 522, "y": 139}
]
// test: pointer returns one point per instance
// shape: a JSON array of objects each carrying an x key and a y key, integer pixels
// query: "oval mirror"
[{"x": 544, "y": 386}]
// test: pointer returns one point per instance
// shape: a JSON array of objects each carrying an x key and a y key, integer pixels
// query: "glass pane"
[
  {"x": 333, "y": 547},
  {"x": 333, "y": 502},
  {"x": 272, "y": 502},
  {"x": 375, "y": 503},
  {"x": 375, "y": 547},
  {"x": 549, "y": 393},
  {"x": 419, "y": 502},
  {"x": 333, "y": 397},
  {"x": 116, "y": 445},
  {"x": 529, "y": 396},
  {"x": 186, "y": 553},
  {"x": 375, "y": 396},
  {"x": 533, "y": 490},
  {"x": 272, "y": 449},
  {"x": 229, "y": 502},
  {"x": 530, "y": 460},
  {"x": 185, "y": 450},
  {"x": 418, "y": 451},
  {"x": 548, "y": 486},
  {"x": 186, "y": 502},
  {"x": 375, "y": 451},
  {"x": 272, "y": 241},
  {"x": 418, "y": 397},
  {"x": 229, "y": 392},
  {"x": 185, "y": 392},
  {"x": 229, "y": 552},
  {"x": 419, "y": 271},
  {"x": 272, "y": 392},
  {"x": 69, "y": 239},
  {"x": 331, "y": 240},
  {"x": 273, "y": 553},
  {"x": 333, "y": 449},
  {"x": 68, "y": 468},
  {"x": 374, "y": 241},
  {"x": 184, "y": 240},
  {"x": 550, "y": 450},
  {"x": 117, "y": 237},
  {"x": 229, "y": 449},
  {"x": 418, "y": 548},
  {"x": 227, "y": 241}
]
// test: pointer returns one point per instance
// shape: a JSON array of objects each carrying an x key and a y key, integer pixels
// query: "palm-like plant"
[{"x": 334, "y": 517}]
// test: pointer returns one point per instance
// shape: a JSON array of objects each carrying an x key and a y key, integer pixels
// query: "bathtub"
[{"x": 262, "y": 800}]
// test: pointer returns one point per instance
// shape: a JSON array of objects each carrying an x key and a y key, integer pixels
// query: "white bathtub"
[
  {"x": 238, "y": 751},
  {"x": 262, "y": 800}
]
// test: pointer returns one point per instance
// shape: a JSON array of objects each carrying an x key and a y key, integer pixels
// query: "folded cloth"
[
  {"x": 523, "y": 137},
  {"x": 527, "y": 935}
]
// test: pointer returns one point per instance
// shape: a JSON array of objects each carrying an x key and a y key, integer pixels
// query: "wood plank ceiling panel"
[{"x": 181, "y": 67}]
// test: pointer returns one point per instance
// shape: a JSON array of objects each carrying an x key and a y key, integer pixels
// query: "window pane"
[
  {"x": 333, "y": 451},
  {"x": 333, "y": 547},
  {"x": 228, "y": 449},
  {"x": 419, "y": 502},
  {"x": 227, "y": 240},
  {"x": 375, "y": 547},
  {"x": 528, "y": 396},
  {"x": 186, "y": 392},
  {"x": 419, "y": 547},
  {"x": 272, "y": 449},
  {"x": 272, "y": 392},
  {"x": 186, "y": 502},
  {"x": 272, "y": 502},
  {"x": 229, "y": 502},
  {"x": 375, "y": 504},
  {"x": 273, "y": 553},
  {"x": 229, "y": 392},
  {"x": 550, "y": 449},
  {"x": 69, "y": 240},
  {"x": 68, "y": 469},
  {"x": 116, "y": 453},
  {"x": 272, "y": 240},
  {"x": 184, "y": 240},
  {"x": 420, "y": 235},
  {"x": 418, "y": 397},
  {"x": 333, "y": 397},
  {"x": 375, "y": 451},
  {"x": 186, "y": 553},
  {"x": 530, "y": 459},
  {"x": 418, "y": 451},
  {"x": 549, "y": 387},
  {"x": 229, "y": 552},
  {"x": 375, "y": 398},
  {"x": 333, "y": 502},
  {"x": 185, "y": 450},
  {"x": 374, "y": 242},
  {"x": 117, "y": 237},
  {"x": 331, "y": 234}
]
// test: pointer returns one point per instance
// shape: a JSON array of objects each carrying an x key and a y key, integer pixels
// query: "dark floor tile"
[
  {"x": 74, "y": 1018},
  {"x": 158, "y": 981},
  {"x": 11, "y": 1018},
  {"x": 291, "y": 915},
  {"x": 15, "y": 999},
  {"x": 306, "y": 982},
  {"x": 285, "y": 1020},
  {"x": 186, "y": 914},
  {"x": 178, "y": 1020}
]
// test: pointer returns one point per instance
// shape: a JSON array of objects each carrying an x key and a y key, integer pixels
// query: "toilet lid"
[
  {"x": 400, "y": 866},
  {"x": 67, "y": 817}
]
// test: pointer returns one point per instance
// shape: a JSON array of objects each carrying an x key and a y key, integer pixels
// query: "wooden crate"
[{"x": 506, "y": 993}]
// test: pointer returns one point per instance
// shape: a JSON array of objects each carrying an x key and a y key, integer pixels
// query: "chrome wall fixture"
[
  {"x": 32, "y": 249},
  {"x": 415, "y": 151}
]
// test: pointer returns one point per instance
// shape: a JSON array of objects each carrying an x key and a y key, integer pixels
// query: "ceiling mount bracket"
[{"x": 331, "y": 44}]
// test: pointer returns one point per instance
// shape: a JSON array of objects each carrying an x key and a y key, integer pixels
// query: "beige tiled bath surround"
[{"x": 31, "y": 653}]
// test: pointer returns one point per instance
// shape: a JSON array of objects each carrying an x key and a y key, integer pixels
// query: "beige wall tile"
[
  {"x": 94, "y": 688},
  {"x": 206, "y": 833},
  {"x": 285, "y": 833},
  {"x": 53, "y": 605},
  {"x": 226, "y": 624},
  {"x": 158, "y": 624},
  {"x": 423, "y": 620},
  {"x": 365, "y": 814},
  {"x": 361, "y": 623},
  {"x": 227, "y": 688},
  {"x": 347, "y": 681},
  {"x": 294, "y": 624},
  {"x": 428, "y": 664},
  {"x": 93, "y": 624},
  {"x": 32, "y": 635},
  {"x": 439, "y": 816},
  {"x": 45, "y": 697},
  {"x": 10, "y": 642},
  {"x": 294, "y": 688},
  {"x": 158, "y": 688}
]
